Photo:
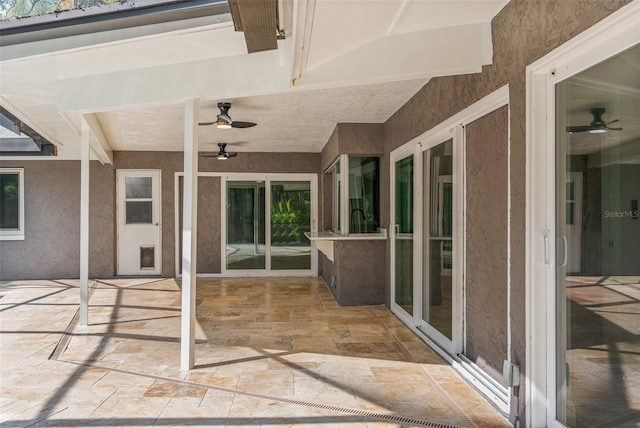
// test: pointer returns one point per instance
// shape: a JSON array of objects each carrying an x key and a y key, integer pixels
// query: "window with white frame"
[
  {"x": 336, "y": 196},
  {"x": 355, "y": 194},
  {"x": 11, "y": 203}
]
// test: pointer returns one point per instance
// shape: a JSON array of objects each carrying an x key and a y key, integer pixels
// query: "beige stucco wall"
[
  {"x": 486, "y": 245},
  {"x": 51, "y": 248}
]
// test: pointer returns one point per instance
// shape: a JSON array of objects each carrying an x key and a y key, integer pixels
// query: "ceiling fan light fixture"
[
  {"x": 597, "y": 131},
  {"x": 223, "y": 121},
  {"x": 222, "y": 156},
  {"x": 223, "y": 124}
]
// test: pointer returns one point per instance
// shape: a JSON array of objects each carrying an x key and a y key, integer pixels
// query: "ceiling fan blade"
[
  {"x": 208, "y": 155},
  {"x": 231, "y": 154},
  {"x": 613, "y": 129},
  {"x": 239, "y": 124},
  {"x": 579, "y": 128},
  {"x": 207, "y": 123}
]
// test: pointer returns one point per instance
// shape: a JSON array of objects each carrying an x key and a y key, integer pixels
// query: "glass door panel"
[
  {"x": 245, "y": 248},
  {"x": 290, "y": 219},
  {"x": 403, "y": 234},
  {"x": 598, "y": 246},
  {"x": 437, "y": 299}
]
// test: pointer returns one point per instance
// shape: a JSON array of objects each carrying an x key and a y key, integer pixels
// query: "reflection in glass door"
[
  {"x": 290, "y": 219},
  {"x": 437, "y": 298},
  {"x": 403, "y": 234},
  {"x": 266, "y": 219},
  {"x": 245, "y": 244},
  {"x": 598, "y": 245}
]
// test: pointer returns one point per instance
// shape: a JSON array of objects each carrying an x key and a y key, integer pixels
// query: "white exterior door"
[{"x": 139, "y": 223}]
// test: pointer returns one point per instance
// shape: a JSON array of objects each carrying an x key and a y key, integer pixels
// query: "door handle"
[
  {"x": 565, "y": 251},
  {"x": 546, "y": 247}
]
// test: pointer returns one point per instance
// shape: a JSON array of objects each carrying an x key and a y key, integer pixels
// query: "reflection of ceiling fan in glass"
[{"x": 597, "y": 125}]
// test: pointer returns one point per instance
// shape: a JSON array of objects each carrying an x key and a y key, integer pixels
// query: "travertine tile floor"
[{"x": 269, "y": 352}]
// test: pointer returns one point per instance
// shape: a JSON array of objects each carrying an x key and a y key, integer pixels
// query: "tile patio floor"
[{"x": 269, "y": 352}]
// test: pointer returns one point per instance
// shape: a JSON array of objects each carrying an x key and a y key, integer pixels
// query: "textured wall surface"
[
  {"x": 331, "y": 150},
  {"x": 360, "y": 138},
  {"x": 486, "y": 275},
  {"x": 359, "y": 273},
  {"x": 51, "y": 248},
  {"x": 209, "y": 233}
]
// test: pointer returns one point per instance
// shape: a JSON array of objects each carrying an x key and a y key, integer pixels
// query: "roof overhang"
[{"x": 340, "y": 61}]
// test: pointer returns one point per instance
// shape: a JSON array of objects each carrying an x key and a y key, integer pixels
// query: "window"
[
  {"x": 336, "y": 178},
  {"x": 355, "y": 205},
  {"x": 364, "y": 194},
  {"x": 11, "y": 204}
]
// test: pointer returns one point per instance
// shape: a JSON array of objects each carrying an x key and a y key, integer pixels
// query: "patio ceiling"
[{"x": 341, "y": 61}]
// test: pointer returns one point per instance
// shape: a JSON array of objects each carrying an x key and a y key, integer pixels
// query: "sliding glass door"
[
  {"x": 290, "y": 219},
  {"x": 438, "y": 249},
  {"x": 597, "y": 259},
  {"x": 245, "y": 249},
  {"x": 402, "y": 234},
  {"x": 266, "y": 219},
  {"x": 426, "y": 216}
]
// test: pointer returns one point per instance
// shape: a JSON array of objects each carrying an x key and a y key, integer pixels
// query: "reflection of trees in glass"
[
  {"x": 23, "y": 8},
  {"x": 290, "y": 215},
  {"x": 9, "y": 201}
]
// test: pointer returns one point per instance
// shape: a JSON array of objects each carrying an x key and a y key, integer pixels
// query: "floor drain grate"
[
  {"x": 364, "y": 413},
  {"x": 357, "y": 412}
]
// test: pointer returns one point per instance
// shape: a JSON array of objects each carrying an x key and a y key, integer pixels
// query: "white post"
[
  {"x": 84, "y": 224},
  {"x": 189, "y": 241}
]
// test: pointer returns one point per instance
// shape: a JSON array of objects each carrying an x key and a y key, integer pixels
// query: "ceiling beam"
[
  {"x": 213, "y": 78},
  {"x": 258, "y": 20},
  {"x": 422, "y": 54},
  {"x": 100, "y": 145}
]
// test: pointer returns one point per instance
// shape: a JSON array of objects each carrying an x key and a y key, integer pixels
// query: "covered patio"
[{"x": 269, "y": 352}]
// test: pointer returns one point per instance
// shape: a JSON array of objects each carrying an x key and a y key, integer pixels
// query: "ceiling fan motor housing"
[{"x": 597, "y": 121}]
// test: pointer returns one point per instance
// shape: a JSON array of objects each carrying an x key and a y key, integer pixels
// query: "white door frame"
[
  {"x": 268, "y": 179},
  {"x": 407, "y": 150},
  {"x": 450, "y": 350},
  {"x": 121, "y": 175},
  {"x": 455, "y": 344},
  {"x": 612, "y": 35}
]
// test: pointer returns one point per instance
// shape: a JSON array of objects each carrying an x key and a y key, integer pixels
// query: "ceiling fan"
[
  {"x": 224, "y": 121},
  {"x": 222, "y": 153},
  {"x": 597, "y": 125}
]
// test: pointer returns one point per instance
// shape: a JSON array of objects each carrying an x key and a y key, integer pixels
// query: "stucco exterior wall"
[
  {"x": 486, "y": 246},
  {"x": 51, "y": 248}
]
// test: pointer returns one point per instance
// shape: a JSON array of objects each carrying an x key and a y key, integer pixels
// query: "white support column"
[
  {"x": 84, "y": 223},
  {"x": 189, "y": 228}
]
